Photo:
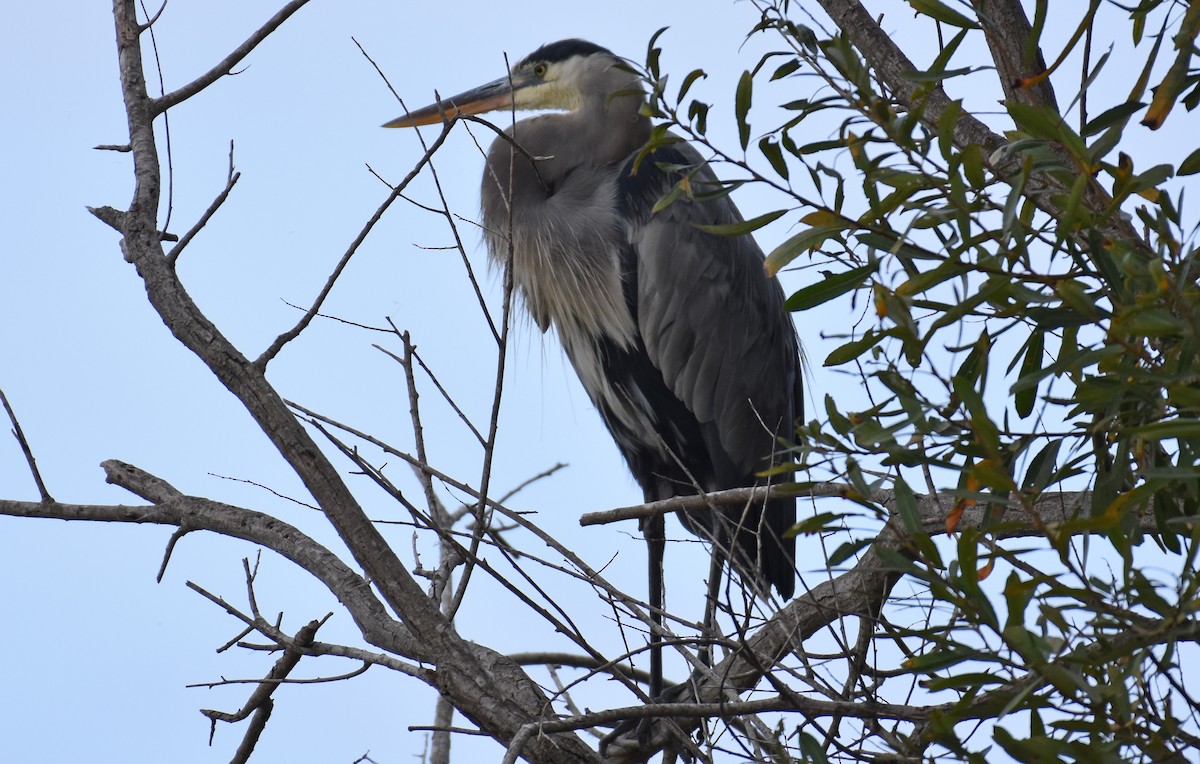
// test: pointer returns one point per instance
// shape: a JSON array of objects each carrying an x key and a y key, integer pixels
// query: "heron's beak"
[{"x": 497, "y": 94}]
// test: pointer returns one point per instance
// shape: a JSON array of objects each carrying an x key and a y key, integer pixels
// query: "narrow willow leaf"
[
  {"x": 742, "y": 99},
  {"x": 785, "y": 69},
  {"x": 929, "y": 279},
  {"x": 939, "y": 11},
  {"x": 1041, "y": 468},
  {"x": 1178, "y": 76},
  {"x": 973, "y": 165},
  {"x": 1191, "y": 165},
  {"x": 906, "y": 503},
  {"x": 688, "y": 81},
  {"x": 1117, "y": 114},
  {"x": 740, "y": 228},
  {"x": 946, "y": 124},
  {"x": 830, "y": 287},
  {"x": 855, "y": 348},
  {"x": 1025, "y": 399},
  {"x": 667, "y": 199},
  {"x": 939, "y": 75},
  {"x": 1173, "y": 428},
  {"x": 770, "y": 149},
  {"x": 847, "y": 550},
  {"x": 805, "y": 241}
]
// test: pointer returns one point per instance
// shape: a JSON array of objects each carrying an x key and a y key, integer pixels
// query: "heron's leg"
[
  {"x": 715, "y": 569},
  {"x": 654, "y": 530}
]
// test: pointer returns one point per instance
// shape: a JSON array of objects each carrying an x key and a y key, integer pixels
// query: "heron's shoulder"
[{"x": 644, "y": 178}]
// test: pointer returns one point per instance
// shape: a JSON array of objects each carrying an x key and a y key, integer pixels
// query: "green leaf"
[
  {"x": 805, "y": 241},
  {"x": 986, "y": 432},
  {"x": 1151, "y": 178},
  {"x": 1047, "y": 123},
  {"x": 946, "y": 123},
  {"x": 939, "y": 659},
  {"x": 939, "y": 11},
  {"x": 667, "y": 199},
  {"x": 1191, "y": 165},
  {"x": 1072, "y": 209},
  {"x": 855, "y": 348},
  {"x": 818, "y": 146},
  {"x": 1075, "y": 295},
  {"x": 741, "y": 103},
  {"x": 895, "y": 245},
  {"x": 742, "y": 227},
  {"x": 1068, "y": 362},
  {"x": 770, "y": 149},
  {"x": 1041, "y": 468},
  {"x": 969, "y": 682},
  {"x": 830, "y": 287},
  {"x": 1018, "y": 593},
  {"x": 1172, "y": 428},
  {"x": 1105, "y": 143},
  {"x": 811, "y": 749},
  {"x": 1025, "y": 399},
  {"x": 786, "y": 68},
  {"x": 1178, "y": 76},
  {"x": 1117, "y": 114},
  {"x": 818, "y": 523},
  {"x": 847, "y": 550},
  {"x": 688, "y": 81},
  {"x": 973, "y": 165},
  {"x": 906, "y": 504},
  {"x": 698, "y": 115},
  {"x": 939, "y": 75},
  {"x": 929, "y": 279}
]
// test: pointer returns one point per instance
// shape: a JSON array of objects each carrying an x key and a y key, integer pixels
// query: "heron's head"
[{"x": 561, "y": 75}]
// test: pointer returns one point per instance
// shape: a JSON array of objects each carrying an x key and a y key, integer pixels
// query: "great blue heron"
[{"x": 679, "y": 336}]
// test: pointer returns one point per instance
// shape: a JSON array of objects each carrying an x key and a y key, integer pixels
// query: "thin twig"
[
  {"x": 152, "y": 19},
  {"x": 225, "y": 65},
  {"x": 268, "y": 489},
  {"x": 149, "y": 26},
  {"x": 262, "y": 361},
  {"x": 179, "y": 533},
  {"x": 437, "y": 383},
  {"x": 231, "y": 180},
  {"x": 481, "y": 513},
  {"x": 445, "y": 209},
  {"x": 260, "y": 703},
  {"x": 19, "y": 434}
]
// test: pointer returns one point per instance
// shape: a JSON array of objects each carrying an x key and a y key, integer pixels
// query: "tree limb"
[
  {"x": 19, "y": 434},
  {"x": 1016, "y": 55},
  {"x": 225, "y": 66},
  {"x": 889, "y": 63},
  {"x": 490, "y": 689}
]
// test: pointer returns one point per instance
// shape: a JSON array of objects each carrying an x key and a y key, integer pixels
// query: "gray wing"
[{"x": 713, "y": 323}]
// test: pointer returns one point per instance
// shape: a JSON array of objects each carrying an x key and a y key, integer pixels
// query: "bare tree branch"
[
  {"x": 261, "y": 362},
  {"x": 225, "y": 66},
  {"x": 260, "y": 703},
  {"x": 19, "y": 434},
  {"x": 230, "y": 181},
  {"x": 487, "y": 687}
]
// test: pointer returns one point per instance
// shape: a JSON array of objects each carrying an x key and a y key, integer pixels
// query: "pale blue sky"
[{"x": 94, "y": 656}]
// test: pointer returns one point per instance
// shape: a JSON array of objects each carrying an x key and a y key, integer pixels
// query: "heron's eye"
[{"x": 540, "y": 70}]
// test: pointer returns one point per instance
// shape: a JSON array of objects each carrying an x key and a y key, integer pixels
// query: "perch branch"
[{"x": 225, "y": 65}]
